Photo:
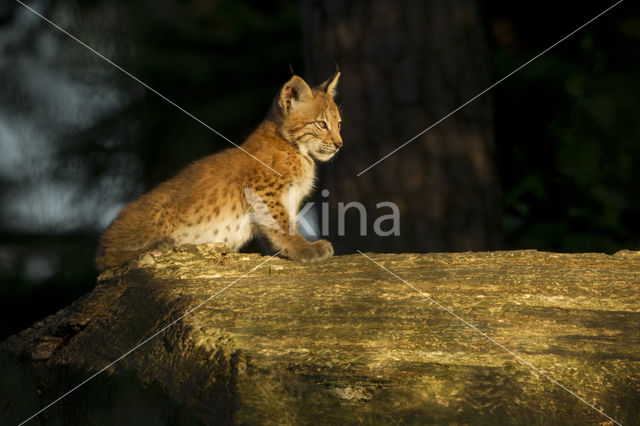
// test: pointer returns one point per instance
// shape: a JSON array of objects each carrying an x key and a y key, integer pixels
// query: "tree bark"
[
  {"x": 340, "y": 342},
  {"x": 406, "y": 64}
]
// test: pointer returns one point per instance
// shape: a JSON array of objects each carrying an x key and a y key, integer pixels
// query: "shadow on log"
[{"x": 338, "y": 342}]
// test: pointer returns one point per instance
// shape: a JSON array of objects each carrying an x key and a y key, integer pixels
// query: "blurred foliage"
[
  {"x": 220, "y": 60},
  {"x": 568, "y": 133}
]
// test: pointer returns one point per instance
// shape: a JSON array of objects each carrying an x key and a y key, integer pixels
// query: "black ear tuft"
[{"x": 331, "y": 86}]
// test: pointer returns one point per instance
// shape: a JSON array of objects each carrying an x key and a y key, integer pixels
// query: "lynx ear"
[
  {"x": 331, "y": 86},
  {"x": 294, "y": 91}
]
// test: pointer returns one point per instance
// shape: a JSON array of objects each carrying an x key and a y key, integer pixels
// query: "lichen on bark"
[{"x": 341, "y": 341}]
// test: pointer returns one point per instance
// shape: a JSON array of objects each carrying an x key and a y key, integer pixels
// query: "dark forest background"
[{"x": 547, "y": 160}]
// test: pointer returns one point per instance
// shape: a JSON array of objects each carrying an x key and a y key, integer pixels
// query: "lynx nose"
[{"x": 337, "y": 144}]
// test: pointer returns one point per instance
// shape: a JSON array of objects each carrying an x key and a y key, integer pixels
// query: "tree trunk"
[
  {"x": 340, "y": 342},
  {"x": 406, "y": 64}
]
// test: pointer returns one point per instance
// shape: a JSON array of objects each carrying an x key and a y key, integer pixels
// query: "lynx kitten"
[{"x": 230, "y": 197}]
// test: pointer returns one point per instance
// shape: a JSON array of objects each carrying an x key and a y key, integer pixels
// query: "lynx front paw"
[{"x": 310, "y": 252}]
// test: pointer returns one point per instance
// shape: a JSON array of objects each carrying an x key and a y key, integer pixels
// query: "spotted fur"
[{"x": 230, "y": 197}]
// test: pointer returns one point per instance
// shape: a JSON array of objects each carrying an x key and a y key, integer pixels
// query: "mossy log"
[{"x": 339, "y": 342}]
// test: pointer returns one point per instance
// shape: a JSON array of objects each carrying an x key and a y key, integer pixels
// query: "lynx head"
[{"x": 309, "y": 117}]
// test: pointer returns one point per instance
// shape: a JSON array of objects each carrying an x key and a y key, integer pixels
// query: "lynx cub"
[{"x": 230, "y": 197}]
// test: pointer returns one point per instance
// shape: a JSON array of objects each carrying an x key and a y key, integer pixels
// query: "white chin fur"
[{"x": 323, "y": 156}]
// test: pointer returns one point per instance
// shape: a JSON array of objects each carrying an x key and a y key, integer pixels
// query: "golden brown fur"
[{"x": 230, "y": 197}]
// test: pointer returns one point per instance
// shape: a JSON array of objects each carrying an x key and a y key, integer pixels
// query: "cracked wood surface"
[{"x": 341, "y": 341}]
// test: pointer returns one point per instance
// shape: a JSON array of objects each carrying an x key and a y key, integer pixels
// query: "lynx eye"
[{"x": 322, "y": 125}]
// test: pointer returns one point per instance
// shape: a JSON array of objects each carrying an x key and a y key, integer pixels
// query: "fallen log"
[{"x": 521, "y": 337}]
